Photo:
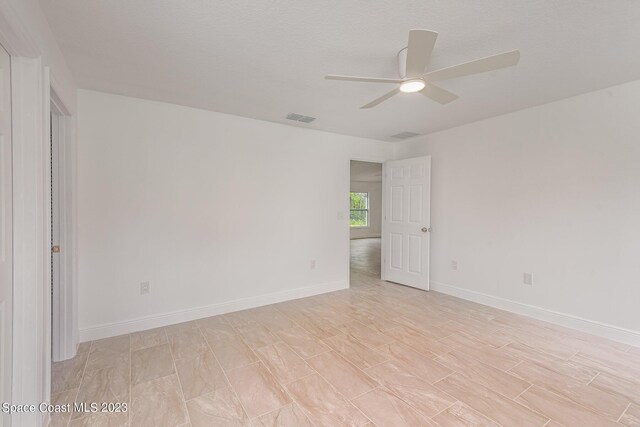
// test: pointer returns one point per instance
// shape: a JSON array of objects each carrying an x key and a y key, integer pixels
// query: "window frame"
[{"x": 360, "y": 210}]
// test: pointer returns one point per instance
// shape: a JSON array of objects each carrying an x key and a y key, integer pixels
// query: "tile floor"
[{"x": 376, "y": 354}]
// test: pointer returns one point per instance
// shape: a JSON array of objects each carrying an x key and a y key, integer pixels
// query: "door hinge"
[{"x": 55, "y": 249}]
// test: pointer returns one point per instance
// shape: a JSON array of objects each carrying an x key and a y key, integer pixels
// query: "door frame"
[
  {"x": 64, "y": 330},
  {"x": 31, "y": 243},
  {"x": 6, "y": 241},
  {"x": 370, "y": 159},
  {"x": 31, "y": 92}
]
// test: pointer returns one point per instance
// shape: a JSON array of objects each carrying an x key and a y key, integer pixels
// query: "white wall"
[
  {"x": 552, "y": 190},
  {"x": 375, "y": 209},
  {"x": 209, "y": 208}
]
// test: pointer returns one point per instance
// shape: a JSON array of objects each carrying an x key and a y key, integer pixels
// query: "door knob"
[{"x": 426, "y": 230}]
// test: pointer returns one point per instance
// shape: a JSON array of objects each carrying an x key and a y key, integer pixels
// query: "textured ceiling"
[{"x": 265, "y": 59}]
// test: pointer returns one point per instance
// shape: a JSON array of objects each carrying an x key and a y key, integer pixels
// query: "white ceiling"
[
  {"x": 366, "y": 171},
  {"x": 265, "y": 59}
]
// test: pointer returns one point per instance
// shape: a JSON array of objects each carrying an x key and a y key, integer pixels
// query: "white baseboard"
[
  {"x": 155, "y": 321},
  {"x": 615, "y": 333}
]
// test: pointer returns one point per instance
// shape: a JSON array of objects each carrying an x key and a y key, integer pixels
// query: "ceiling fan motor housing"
[{"x": 402, "y": 63}]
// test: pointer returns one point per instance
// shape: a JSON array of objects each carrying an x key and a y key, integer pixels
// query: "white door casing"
[
  {"x": 31, "y": 238},
  {"x": 30, "y": 98},
  {"x": 406, "y": 224},
  {"x": 6, "y": 235}
]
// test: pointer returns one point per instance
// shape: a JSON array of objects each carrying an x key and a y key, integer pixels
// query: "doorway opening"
[
  {"x": 365, "y": 221},
  {"x": 54, "y": 207},
  {"x": 63, "y": 333}
]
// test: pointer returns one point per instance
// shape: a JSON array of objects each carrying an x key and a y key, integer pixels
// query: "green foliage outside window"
[{"x": 359, "y": 215}]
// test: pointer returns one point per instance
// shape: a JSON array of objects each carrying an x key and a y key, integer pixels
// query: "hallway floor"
[{"x": 375, "y": 354}]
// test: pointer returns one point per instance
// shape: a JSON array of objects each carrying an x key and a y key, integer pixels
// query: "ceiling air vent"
[
  {"x": 300, "y": 118},
  {"x": 404, "y": 135}
]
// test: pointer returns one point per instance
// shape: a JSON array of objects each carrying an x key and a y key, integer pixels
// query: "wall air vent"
[
  {"x": 404, "y": 135},
  {"x": 300, "y": 118}
]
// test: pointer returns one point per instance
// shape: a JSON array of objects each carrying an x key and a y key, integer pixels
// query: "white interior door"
[
  {"x": 406, "y": 223},
  {"x": 6, "y": 234}
]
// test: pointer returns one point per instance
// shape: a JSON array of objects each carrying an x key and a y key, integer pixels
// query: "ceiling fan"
[{"x": 412, "y": 61}]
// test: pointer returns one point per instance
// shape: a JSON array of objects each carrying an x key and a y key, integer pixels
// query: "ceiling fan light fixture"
[
  {"x": 413, "y": 85},
  {"x": 414, "y": 77}
]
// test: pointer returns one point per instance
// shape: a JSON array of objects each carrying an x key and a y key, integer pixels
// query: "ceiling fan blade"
[
  {"x": 482, "y": 65},
  {"x": 419, "y": 50},
  {"x": 381, "y": 99},
  {"x": 363, "y": 79},
  {"x": 438, "y": 94}
]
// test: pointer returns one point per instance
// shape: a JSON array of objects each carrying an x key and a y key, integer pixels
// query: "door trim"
[
  {"x": 31, "y": 370},
  {"x": 6, "y": 240},
  {"x": 31, "y": 298},
  {"x": 30, "y": 86}
]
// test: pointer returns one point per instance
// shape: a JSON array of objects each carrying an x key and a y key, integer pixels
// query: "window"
[{"x": 359, "y": 216}]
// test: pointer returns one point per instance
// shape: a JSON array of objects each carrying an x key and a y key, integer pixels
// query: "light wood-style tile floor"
[{"x": 375, "y": 354}]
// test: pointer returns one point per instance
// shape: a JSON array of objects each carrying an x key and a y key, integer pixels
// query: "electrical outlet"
[
  {"x": 312, "y": 264},
  {"x": 527, "y": 279},
  {"x": 454, "y": 265},
  {"x": 145, "y": 288}
]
